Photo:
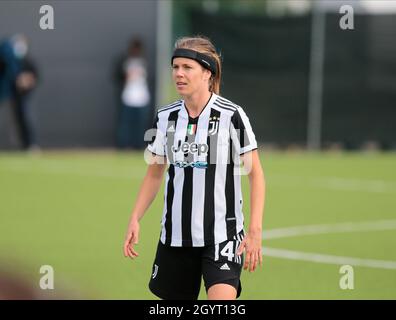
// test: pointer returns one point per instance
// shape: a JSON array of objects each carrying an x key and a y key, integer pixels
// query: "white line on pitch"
[
  {"x": 70, "y": 169},
  {"x": 329, "y": 228},
  {"x": 329, "y": 259},
  {"x": 334, "y": 183}
]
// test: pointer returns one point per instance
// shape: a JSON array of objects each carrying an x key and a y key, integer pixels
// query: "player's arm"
[
  {"x": 148, "y": 190},
  {"x": 252, "y": 241}
]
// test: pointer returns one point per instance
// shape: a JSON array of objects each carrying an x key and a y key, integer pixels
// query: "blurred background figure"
[
  {"x": 135, "y": 97},
  {"x": 18, "y": 78},
  {"x": 17, "y": 282},
  {"x": 13, "y": 287}
]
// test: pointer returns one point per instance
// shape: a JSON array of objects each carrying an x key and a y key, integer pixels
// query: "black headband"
[{"x": 204, "y": 60}]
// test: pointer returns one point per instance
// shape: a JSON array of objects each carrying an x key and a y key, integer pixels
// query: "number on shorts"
[{"x": 228, "y": 251}]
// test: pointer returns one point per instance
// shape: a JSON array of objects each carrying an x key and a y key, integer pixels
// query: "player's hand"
[
  {"x": 251, "y": 244},
  {"x": 25, "y": 81},
  {"x": 131, "y": 239}
]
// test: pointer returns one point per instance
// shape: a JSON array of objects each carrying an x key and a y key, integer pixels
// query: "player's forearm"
[
  {"x": 148, "y": 190},
  {"x": 257, "y": 198}
]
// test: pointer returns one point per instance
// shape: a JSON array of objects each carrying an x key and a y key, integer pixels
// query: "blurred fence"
[{"x": 266, "y": 70}]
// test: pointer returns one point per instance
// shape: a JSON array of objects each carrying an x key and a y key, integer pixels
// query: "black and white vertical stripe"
[{"x": 202, "y": 206}]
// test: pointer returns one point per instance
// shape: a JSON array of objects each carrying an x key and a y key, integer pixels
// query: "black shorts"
[{"x": 177, "y": 271}]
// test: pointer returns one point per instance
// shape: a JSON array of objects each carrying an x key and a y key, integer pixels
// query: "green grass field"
[{"x": 70, "y": 210}]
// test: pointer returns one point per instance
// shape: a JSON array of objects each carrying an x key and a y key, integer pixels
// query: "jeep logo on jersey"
[{"x": 185, "y": 147}]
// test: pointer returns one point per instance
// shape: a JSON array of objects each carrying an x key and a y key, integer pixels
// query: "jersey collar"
[{"x": 204, "y": 112}]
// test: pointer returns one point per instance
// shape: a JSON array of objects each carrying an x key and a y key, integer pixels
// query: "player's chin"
[
  {"x": 182, "y": 93},
  {"x": 182, "y": 90}
]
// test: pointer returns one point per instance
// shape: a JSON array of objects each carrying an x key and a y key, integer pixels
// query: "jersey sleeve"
[
  {"x": 156, "y": 142},
  {"x": 242, "y": 134}
]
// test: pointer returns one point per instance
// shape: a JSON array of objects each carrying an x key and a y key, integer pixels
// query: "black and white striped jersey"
[{"x": 203, "y": 198}]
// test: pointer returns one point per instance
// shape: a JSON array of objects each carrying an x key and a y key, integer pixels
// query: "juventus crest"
[{"x": 213, "y": 126}]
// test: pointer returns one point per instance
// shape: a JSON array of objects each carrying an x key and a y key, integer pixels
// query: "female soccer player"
[{"x": 202, "y": 139}]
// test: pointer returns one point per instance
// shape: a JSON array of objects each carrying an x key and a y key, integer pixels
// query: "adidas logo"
[{"x": 225, "y": 267}]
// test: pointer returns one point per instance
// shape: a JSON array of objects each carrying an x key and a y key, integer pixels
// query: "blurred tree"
[{"x": 181, "y": 8}]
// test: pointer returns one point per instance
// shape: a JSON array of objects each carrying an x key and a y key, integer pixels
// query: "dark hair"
[{"x": 136, "y": 47}]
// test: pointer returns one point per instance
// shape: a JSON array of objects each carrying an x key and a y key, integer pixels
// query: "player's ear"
[{"x": 207, "y": 74}]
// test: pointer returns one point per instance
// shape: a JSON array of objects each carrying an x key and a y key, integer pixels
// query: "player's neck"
[{"x": 196, "y": 102}]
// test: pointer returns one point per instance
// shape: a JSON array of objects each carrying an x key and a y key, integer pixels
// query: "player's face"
[{"x": 189, "y": 76}]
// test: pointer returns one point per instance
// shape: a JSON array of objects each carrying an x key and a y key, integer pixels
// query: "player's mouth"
[{"x": 181, "y": 85}]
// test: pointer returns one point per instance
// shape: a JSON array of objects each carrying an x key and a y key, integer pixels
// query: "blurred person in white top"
[{"x": 135, "y": 98}]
